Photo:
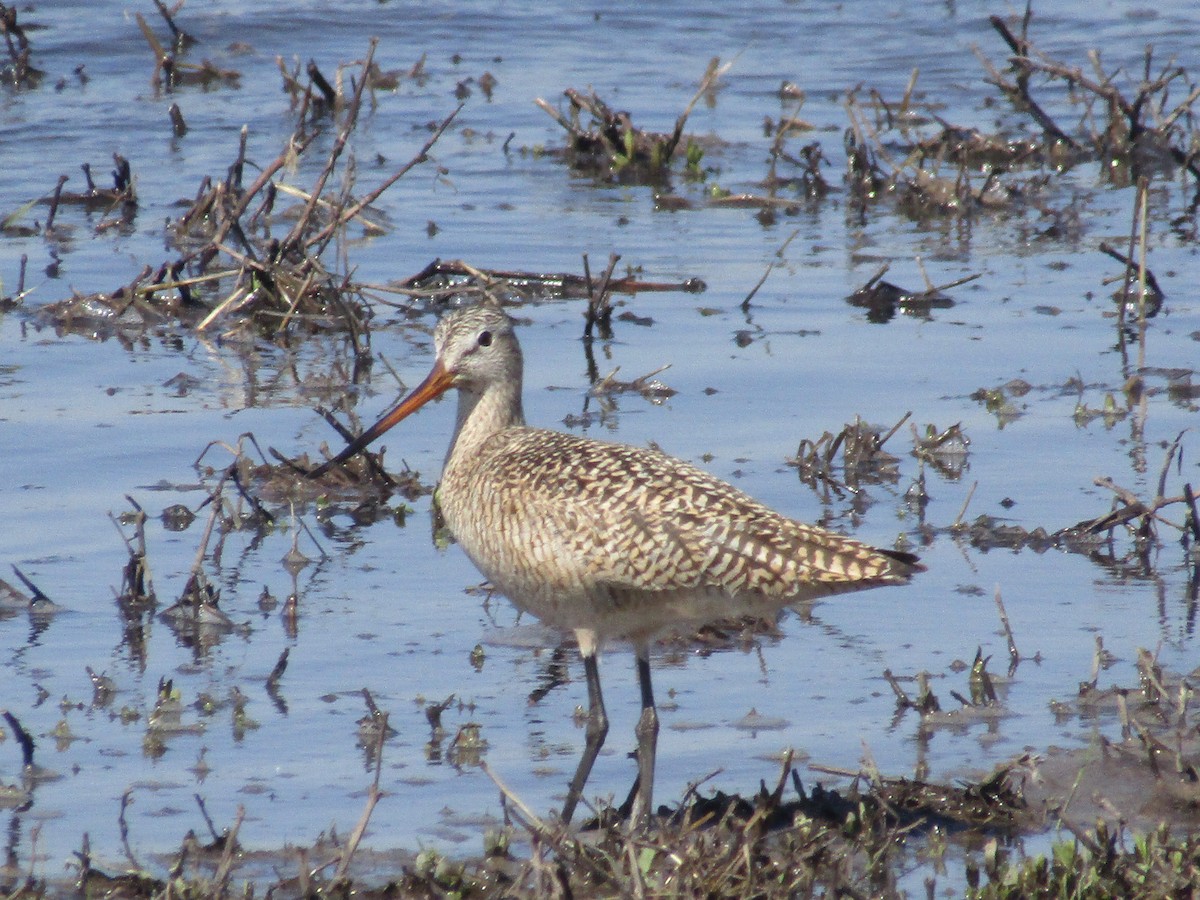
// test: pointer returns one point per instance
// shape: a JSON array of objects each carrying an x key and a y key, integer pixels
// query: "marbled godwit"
[{"x": 605, "y": 540}]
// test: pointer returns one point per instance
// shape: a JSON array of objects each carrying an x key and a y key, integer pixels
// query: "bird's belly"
[{"x": 621, "y": 613}]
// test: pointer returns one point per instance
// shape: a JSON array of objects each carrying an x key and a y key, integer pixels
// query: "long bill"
[{"x": 436, "y": 383}]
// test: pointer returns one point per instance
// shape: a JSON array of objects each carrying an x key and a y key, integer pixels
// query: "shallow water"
[{"x": 84, "y": 422}]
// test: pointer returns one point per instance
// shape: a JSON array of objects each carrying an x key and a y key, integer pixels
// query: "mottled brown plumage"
[
  {"x": 606, "y": 540},
  {"x": 627, "y": 542}
]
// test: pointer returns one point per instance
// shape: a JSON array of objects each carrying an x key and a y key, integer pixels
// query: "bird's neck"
[{"x": 480, "y": 416}]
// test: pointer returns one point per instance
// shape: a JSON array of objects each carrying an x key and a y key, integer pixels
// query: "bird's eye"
[{"x": 485, "y": 339}]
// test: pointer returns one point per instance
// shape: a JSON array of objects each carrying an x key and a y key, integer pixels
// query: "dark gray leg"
[
  {"x": 647, "y": 735},
  {"x": 597, "y": 730}
]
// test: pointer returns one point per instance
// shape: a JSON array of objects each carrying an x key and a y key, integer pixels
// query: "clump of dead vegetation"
[
  {"x": 769, "y": 844},
  {"x": 904, "y": 152},
  {"x": 882, "y": 299},
  {"x": 170, "y": 71},
  {"x": 844, "y": 465},
  {"x": 863, "y": 458},
  {"x": 1140, "y": 133},
  {"x": 17, "y": 70},
  {"x": 235, "y": 270},
  {"x": 602, "y": 140},
  {"x": 958, "y": 171}
]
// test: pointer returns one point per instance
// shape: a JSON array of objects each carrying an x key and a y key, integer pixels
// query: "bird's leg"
[
  {"x": 647, "y": 735},
  {"x": 597, "y": 729}
]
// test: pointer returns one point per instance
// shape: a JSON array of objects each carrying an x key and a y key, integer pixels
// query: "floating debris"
[
  {"x": 882, "y": 299},
  {"x": 945, "y": 450},
  {"x": 999, "y": 401}
]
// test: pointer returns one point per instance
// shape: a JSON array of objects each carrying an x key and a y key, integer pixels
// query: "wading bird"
[{"x": 605, "y": 540}]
